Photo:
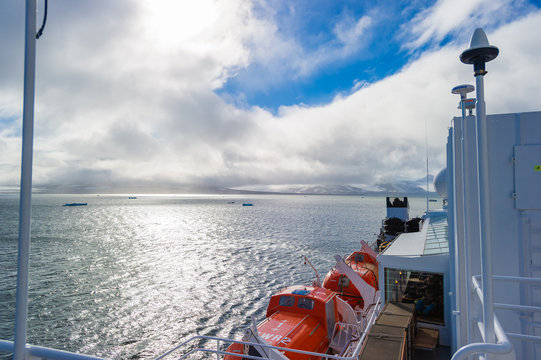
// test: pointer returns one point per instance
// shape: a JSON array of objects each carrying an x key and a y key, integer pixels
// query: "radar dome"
[{"x": 440, "y": 183}]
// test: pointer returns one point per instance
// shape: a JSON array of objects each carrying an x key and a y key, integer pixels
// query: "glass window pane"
[
  {"x": 423, "y": 289},
  {"x": 287, "y": 300},
  {"x": 305, "y": 303}
]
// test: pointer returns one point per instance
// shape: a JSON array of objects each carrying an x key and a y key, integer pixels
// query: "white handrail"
[
  {"x": 515, "y": 279},
  {"x": 44, "y": 352},
  {"x": 222, "y": 352},
  {"x": 202, "y": 337},
  {"x": 503, "y": 345}
]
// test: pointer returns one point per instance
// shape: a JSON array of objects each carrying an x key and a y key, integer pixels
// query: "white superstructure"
[{"x": 514, "y": 145}]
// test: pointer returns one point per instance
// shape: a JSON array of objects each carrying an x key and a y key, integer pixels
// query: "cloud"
[
  {"x": 117, "y": 103},
  {"x": 279, "y": 54},
  {"x": 458, "y": 18}
]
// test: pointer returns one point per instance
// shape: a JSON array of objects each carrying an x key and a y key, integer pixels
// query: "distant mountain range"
[
  {"x": 399, "y": 187},
  {"x": 387, "y": 188}
]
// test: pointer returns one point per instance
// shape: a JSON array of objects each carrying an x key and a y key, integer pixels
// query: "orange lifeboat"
[
  {"x": 298, "y": 317},
  {"x": 364, "y": 264}
]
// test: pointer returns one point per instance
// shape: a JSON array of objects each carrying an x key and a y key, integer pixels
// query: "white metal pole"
[
  {"x": 479, "y": 53},
  {"x": 463, "y": 243},
  {"x": 427, "y": 192},
  {"x": 484, "y": 211},
  {"x": 466, "y": 196},
  {"x": 21, "y": 305},
  {"x": 467, "y": 311}
]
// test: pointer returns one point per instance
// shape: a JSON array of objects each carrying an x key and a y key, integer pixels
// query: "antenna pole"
[
  {"x": 479, "y": 53},
  {"x": 21, "y": 304},
  {"x": 484, "y": 210},
  {"x": 463, "y": 90},
  {"x": 427, "y": 193}
]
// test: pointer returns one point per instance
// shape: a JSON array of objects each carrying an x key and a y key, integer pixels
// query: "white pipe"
[
  {"x": 484, "y": 211},
  {"x": 465, "y": 216},
  {"x": 47, "y": 353},
  {"x": 524, "y": 337},
  {"x": 466, "y": 192},
  {"x": 502, "y": 347},
  {"x": 514, "y": 307},
  {"x": 21, "y": 303},
  {"x": 517, "y": 279}
]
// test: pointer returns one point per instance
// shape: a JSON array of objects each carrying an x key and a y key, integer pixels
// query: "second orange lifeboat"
[{"x": 366, "y": 266}]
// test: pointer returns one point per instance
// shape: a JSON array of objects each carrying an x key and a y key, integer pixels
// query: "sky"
[{"x": 253, "y": 94}]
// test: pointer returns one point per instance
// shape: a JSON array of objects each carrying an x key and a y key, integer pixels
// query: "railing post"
[{"x": 25, "y": 200}]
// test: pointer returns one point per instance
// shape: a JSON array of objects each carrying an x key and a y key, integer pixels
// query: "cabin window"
[
  {"x": 305, "y": 303},
  {"x": 423, "y": 289},
  {"x": 287, "y": 300}
]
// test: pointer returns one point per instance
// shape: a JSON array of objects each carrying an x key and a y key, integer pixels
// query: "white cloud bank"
[{"x": 119, "y": 101}]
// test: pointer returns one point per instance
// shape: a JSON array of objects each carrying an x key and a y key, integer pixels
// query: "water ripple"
[{"x": 126, "y": 278}]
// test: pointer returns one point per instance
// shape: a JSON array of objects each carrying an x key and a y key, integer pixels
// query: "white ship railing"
[
  {"x": 221, "y": 341},
  {"x": 503, "y": 345},
  {"x": 521, "y": 308},
  {"x": 40, "y": 352}
]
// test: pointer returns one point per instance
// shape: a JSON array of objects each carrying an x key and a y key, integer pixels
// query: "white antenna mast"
[
  {"x": 427, "y": 193},
  {"x": 479, "y": 53}
]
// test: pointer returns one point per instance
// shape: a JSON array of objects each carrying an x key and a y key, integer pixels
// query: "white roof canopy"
[{"x": 426, "y": 250}]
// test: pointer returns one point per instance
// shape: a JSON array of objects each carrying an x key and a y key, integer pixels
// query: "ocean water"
[{"x": 131, "y": 278}]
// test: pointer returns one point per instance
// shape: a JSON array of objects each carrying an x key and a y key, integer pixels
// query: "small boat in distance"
[
  {"x": 132, "y": 197},
  {"x": 76, "y": 204},
  {"x": 247, "y": 204}
]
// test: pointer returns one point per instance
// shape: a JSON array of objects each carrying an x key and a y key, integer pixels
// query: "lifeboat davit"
[
  {"x": 304, "y": 318},
  {"x": 358, "y": 293}
]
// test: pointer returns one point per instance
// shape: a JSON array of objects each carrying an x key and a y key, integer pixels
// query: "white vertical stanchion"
[
  {"x": 463, "y": 90},
  {"x": 21, "y": 307}
]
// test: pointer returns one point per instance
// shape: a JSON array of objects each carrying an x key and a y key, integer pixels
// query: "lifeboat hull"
[
  {"x": 287, "y": 330},
  {"x": 297, "y": 318}
]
